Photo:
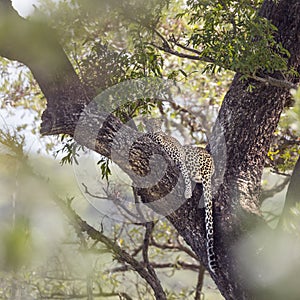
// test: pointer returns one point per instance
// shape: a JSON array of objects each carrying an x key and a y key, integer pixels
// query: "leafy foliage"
[
  {"x": 104, "y": 166},
  {"x": 233, "y": 36},
  {"x": 71, "y": 148},
  {"x": 111, "y": 42},
  {"x": 285, "y": 149},
  {"x": 78, "y": 266}
]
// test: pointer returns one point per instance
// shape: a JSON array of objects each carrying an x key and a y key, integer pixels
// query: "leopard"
[
  {"x": 196, "y": 164},
  {"x": 172, "y": 147},
  {"x": 200, "y": 165}
]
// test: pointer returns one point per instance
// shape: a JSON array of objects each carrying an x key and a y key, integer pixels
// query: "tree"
[{"x": 248, "y": 117}]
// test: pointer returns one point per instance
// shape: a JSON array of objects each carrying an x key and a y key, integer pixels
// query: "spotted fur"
[
  {"x": 194, "y": 163},
  {"x": 173, "y": 148},
  {"x": 201, "y": 168}
]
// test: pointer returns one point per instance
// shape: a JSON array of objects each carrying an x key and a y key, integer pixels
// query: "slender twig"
[
  {"x": 274, "y": 190},
  {"x": 199, "y": 286},
  {"x": 180, "y": 54},
  {"x": 268, "y": 80},
  {"x": 178, "y": 247},
  {"x": 145, "y": 250},
  {"x": 281, "y": 173},
  {"x": 178, "y": 265},
  {"x": 199, "y": 53},
  {"x": 84, "y": 296},
  {"x": 137, "y": 251},
  {"x": 130, "y": 216}
]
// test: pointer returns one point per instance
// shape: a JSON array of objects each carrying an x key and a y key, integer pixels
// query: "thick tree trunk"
[
  {"x": 247, "y": 119},
  {"x": 35, "y": 45}
]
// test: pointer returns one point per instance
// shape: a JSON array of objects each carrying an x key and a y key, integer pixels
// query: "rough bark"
[
  {"x": 248, "y": 120},
  {"x": 35, "y": 45}
]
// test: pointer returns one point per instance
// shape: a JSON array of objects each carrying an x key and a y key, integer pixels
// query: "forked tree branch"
[
  {"x": 82, "y": 227},
  {"x": 198, "y": 55},
  {"x": 121, "y": 255},
  {"x": 36, "y": 45},
  {"x": 241, "y": 139}
]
